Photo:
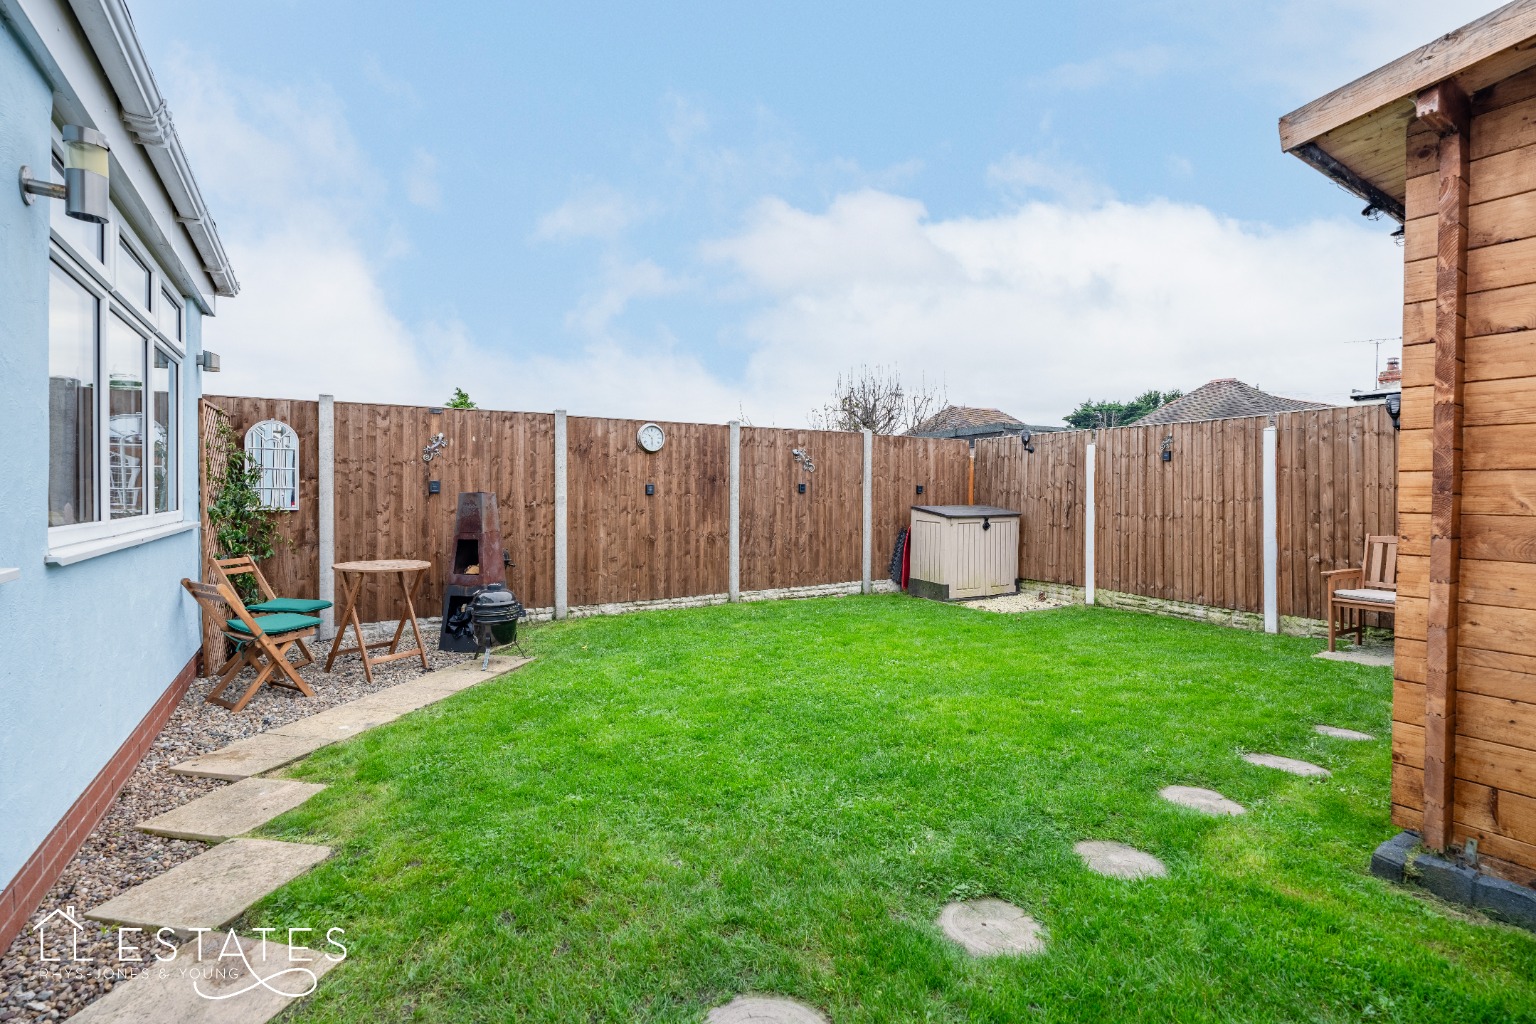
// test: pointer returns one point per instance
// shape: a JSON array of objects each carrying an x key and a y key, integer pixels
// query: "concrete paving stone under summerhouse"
[
  {"x": 992, "y": 927},
  {"x": 211, "y": 889},
  {"x": 1206, "y": 801},
  {"x": 231, "y": 810},
  {"x": 177, "y": 991},
  {"x": 1116, "y": 860},
  {"x": 1342, "y": 734},
  {"x": 1288, "y": 764},
  {"x": 764, "y": 1010},
  {"x": 1376, "y": 657}
]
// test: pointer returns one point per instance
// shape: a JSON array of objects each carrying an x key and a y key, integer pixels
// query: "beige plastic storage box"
[{"x": 961, "y": 551}]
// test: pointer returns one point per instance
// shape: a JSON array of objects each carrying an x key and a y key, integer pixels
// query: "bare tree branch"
[{"x": 874, "y": 398}]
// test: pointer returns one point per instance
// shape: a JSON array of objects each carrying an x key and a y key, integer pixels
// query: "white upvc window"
[{"x": 116, "y": 342}]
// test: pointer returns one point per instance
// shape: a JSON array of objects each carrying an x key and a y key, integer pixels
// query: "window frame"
[{"x": 98, "y": 279}]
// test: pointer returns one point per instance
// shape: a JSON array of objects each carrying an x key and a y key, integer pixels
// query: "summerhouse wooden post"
[{"x": 1445, "y": 110}]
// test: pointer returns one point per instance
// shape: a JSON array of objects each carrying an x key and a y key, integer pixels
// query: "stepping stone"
[
  {"x": 199, "y": 985},
  {"x": 992, "y": 927},
  {"x": 1288, "y": 764},
  {"x": 398, "y": 699},
  {"x": 1116, "y": 860},
  {"x": 337, "y": 724},
  {"x": 1206, "y": 801},
  {"x": 1376, "y": 657},
  {"x": 764, "y": 1010},
  {"x": 211, "y": 889},
  {"x": 1343, "y": 734},
  {"x": 467, "y": 673},
  {"x": 231, "y": 811},
  {"x": 250, "y": 756}
]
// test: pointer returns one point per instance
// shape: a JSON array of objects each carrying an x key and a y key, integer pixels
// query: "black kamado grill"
[{"x": 491, "y": 616}]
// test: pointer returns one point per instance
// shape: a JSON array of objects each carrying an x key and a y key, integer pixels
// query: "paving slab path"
[
  {"x": 1288, "y": 764},
  {"x": 1116, "y": 860},
  {"x": 764, "y": 1010},
  {"x": 231, "y": 810},
  {"x": 271, "y": 750},
  {"x": 211, "y": 889},
  {"x": 208, "y": 983},
  {"x": 1206, "y": 801},
  {"x": 992, "y": 927},
  {"x": 1343, "y": 734}
]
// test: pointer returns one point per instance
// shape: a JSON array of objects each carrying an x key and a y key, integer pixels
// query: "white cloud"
[
  {"x": 1036, "y": 309},
  {"x": 421, "y": 185},
  {"x": 598, "y": 211},
  {"x": 305, "y": 218},
  {"x": 622, "y": 284},
  {"x": 1116, "y": 65},
  {"x": 1021, "y": 175}
]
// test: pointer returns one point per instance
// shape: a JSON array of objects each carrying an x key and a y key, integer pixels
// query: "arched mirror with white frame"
[{"x": 273, "y": 447}]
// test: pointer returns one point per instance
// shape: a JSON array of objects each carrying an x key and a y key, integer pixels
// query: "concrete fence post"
[
  {"x": 1088, "y": 520},
  {"x": 325, "y": 472},
  {"x": 561, "y": 594},
  {"x": 1271, "y": 532},
  {"x": 867, "y": 584},
  {"x": 734, "y": 517}
]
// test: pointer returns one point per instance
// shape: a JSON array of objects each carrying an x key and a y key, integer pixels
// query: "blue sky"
[{"x": 697, "y": 211}]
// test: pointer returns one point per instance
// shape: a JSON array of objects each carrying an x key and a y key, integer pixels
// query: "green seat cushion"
[
  {"x": 289, "y": 604},
  {"x": 274, "y": 625}
]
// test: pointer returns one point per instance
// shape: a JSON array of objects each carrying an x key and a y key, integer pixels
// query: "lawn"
[{"x": 668, "y": 809}]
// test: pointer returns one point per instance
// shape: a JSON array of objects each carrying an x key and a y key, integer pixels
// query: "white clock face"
[{"x": 651, "y": 437}]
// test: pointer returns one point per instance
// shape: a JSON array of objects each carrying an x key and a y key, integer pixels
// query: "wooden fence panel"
[
  {"x": 902, "y": 464},
  {"x": 626, "y": 545},
  {"x": 789, "y": 539},
  {"x": 1046, "y": 487},
  {"x": 1337, "y": 484},
  {"x": 383, "y": 509},
  {"x": 293, "y": 568}
]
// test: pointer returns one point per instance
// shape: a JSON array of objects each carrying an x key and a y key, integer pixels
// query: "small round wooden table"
[{"x": 350, "y": 576}]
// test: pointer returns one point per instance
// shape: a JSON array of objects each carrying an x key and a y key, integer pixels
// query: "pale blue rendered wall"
[{"x": 85, "y": 649}]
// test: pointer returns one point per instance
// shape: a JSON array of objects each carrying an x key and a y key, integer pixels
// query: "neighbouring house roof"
[
  {"x": 1224, "y": 399},
  {"x": 970, "y": 421},
  {"x": 1355, "y": 133}
]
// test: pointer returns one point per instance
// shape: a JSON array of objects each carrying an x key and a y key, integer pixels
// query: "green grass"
[{"x": 668, "y": 809}]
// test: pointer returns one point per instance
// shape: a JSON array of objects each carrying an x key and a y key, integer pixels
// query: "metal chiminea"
[{"x": 476, "y": 563}]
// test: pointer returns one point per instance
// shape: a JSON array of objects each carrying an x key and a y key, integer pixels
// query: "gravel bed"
[
  {"x": 117, "y": 857},
  {"x": 1024, "y": 601}
]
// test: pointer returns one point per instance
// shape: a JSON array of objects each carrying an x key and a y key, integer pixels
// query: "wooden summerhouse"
[{"x": 1444, "y": 140}]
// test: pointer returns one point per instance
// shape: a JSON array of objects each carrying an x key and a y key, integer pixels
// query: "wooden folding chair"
[
  {"x": 1354, "y": 592},
  {"x": 270, "y": 603},
  {"x": 261, "y": 642}
]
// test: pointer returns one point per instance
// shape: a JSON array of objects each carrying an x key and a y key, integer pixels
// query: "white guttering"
[{"x": 109, "y": 28}]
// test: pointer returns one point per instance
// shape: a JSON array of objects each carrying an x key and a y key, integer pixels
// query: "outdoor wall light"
[
  {"x": 1024, "y": 440},
  {"x": 86, "y": 190},
  {"x": 209, "y": 361},
  {"x": 1166, "y": 448},
  {"x": 1395, "y": 410},
  {"x": 919, "y": 488},
  {"x": 801, "y": 488},
  {"x": 434, "y": 487},
  {"x": 650, "y": 490}
]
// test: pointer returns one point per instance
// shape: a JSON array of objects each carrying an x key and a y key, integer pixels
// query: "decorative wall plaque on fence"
[{"x": 437, "y": 444}]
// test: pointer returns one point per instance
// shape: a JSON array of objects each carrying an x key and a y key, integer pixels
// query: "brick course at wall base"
[
  {"x": 703, "y": 600},
  {"x": 1290, "y": 625},
  {"x": 24, "y": 892}
]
